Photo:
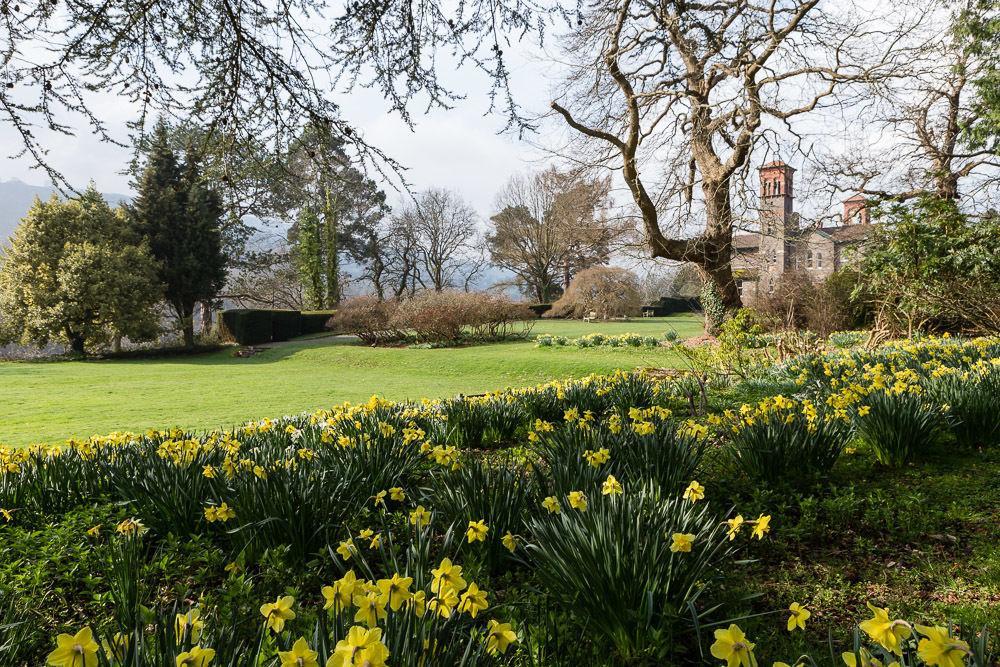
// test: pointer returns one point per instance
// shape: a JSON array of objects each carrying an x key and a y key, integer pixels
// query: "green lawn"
[{"x": 50, "y": 401}]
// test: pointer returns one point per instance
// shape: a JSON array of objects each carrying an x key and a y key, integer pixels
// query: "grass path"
[{"x": 50, "y": 401}]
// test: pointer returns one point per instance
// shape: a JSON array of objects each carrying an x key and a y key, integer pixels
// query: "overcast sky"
[{"x": 460, "y": 148}]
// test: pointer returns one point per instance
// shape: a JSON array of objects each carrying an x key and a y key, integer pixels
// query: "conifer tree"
[{"x": 180, "y": 217}]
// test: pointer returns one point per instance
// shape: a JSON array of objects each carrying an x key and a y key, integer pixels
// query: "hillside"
[{"x": 17, "y": 196}]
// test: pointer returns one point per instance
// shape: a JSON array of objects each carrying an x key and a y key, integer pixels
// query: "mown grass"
[{"x": 50, "y": 401}]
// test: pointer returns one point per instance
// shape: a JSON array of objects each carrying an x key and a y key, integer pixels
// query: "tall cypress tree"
[{"x": 180, "y": 216}]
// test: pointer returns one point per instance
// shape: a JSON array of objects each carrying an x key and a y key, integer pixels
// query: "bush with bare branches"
[
  {"x": 606, "y": 291},
  {"x": 369, "y": 319}
]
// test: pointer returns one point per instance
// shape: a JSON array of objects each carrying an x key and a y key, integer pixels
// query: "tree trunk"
[
  {"x": 331, "y": 213},
  {"x": 206, "y": 317},
  {"x": 116, "y": 344},
  {"x": 187, "y": 326},
  {"x": 77, "y": 344}
]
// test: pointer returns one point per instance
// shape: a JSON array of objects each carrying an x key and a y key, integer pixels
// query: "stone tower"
[{"x": 777, "y": 222}]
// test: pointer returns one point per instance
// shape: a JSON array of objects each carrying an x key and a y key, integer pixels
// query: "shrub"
[
  {"x": 367, "y": 318},
  {"x": 247, "y": 326},
  {"x": 847, "y": 339},
  {"x": 606, "y": 290},
  {"x": 285, "y": 324},
  {"x": 316, "y": 321},
  {"x": 449, "y": 316},
  {"x": 899, "y": 426}
]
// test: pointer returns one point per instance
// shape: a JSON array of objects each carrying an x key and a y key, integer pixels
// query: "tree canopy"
[{"x": 75, "y": 274}]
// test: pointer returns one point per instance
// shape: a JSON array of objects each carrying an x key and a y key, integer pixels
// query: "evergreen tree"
[
  {"x": 75, "y": 274},
  {"x": 308, "y": 254},
  {"x": 180, "y": 216}
]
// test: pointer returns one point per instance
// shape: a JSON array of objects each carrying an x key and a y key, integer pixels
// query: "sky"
[{"x": 461, "y": 149}]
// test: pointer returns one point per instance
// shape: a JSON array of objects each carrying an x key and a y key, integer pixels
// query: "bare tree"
[
  {"x": 549, "y": 226},
  {"x": 925, "y": 114},
  {"x": 700, "y": 85},
  {"x": 445, "y": 231}
]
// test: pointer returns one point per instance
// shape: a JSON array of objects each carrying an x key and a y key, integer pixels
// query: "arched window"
[
  {"x": 777, "y": 187},
  {"x": 819, "y": 260},
  {"x": 809, "y": 259}
]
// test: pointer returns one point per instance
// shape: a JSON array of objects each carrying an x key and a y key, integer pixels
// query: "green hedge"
[
  {"x": 315, "y": 321},
  {"x": 254, "y": 326}
]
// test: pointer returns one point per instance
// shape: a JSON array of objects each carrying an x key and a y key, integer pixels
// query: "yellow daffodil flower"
[
  {"x": 939, "y": 648},
  {"x": 798, "y": 616},
  {"x": 885, "y": 631},
  {"x": 509, "y": 542},
  {"x": 577, "y": 500},
  {"x": 361, "y": 647},
  {"x": 189, "y": 621},
  {"x": 473, "y": 601},
  {"x": 370, "y": 609},
  {"x": 420, "y": 517},
  {"x": 447, "y": 575},
  {"x": 611, "y": 487},
  {"x": 499, "y": 636},
  {"x": 551, "y": 503},
  {"x": 300, "y": 655},
  {"x": 761, "y": 526},
  {"x": 277, "y": 612},
  {"x": 732, "y": 646},
  {"x": 196, "y": 657},
  {"x": 396, "y": 493},
  {"x": 477, "y": 531},
  {"x": 79, "y": 650},
  {"x": 735, "y": 524},
  {"x": 694, "y": 492},
  {"x": 682, "y": 542},
  {"x": 393, "y": 592}
]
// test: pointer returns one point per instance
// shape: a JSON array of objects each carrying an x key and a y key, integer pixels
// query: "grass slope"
[{"x": 50, "y": 401}]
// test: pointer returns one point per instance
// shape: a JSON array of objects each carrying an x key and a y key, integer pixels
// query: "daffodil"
[
  {"x": 361, "y": 646},
  {"x": 732, "y": 646},
  {"x": 611, "y": 487},
  {"x": 851, "y": 660},
  {"x": 196, "y": 657},
  {"x": 393, "y": 592},
  {"x": 300, "y": 655},
  {"x": 472, "y": 601},
  {"x": 477, "y": 531},
  {"x": 447, "y": 575},
  {"x": 277, "y": 612},
  {"x": 939, "y": 648},
  {"x": 397, "y": 494},
  {"x": 551, "y": 503},
  {"x": 761, "y": 526},
  {"x": 509, "y": 542},
  {"x": 370, "y": 608},
  {"x": 682, "y": 542},
  {"x": 420, "y": 517},
  {"x": 189, "y": 622},
  {"x": 798, "y": 616},
  {"x": 499, "y": 636},
  {"x": 734, "y": 526},
  {"x": 346, "y": 549},
  {"x": 577, "y": 500},
  {"x": 444, "y": 602},
  {"x": 694, "y": 492},
  {"x": 79, "y": 650},
  {"x": 341, "y": 594},
  {"x": 885, "y": 631}
]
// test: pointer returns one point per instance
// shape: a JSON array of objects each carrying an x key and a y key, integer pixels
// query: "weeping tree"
[{"x": 679, "y": 96}]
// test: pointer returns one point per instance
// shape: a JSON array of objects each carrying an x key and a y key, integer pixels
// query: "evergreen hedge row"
[{"x": 249, "y": 326}]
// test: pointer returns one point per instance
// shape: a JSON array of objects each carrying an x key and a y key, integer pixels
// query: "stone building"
[{"x": 782, "y": 246}]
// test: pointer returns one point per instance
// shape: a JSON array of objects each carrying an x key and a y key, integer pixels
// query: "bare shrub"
[
  {"x": 606, "y": 291},
  {"x": 448, "y": 316},
  {"x": 367, "y": 318},
  {"x": 798, "y": 303}
]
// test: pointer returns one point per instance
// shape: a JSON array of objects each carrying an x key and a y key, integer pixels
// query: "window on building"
[
  {"x": 819, "y": 260},
  {"x": 809, "y": 259}
]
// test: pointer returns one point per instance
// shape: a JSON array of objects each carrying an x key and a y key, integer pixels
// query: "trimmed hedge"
[
  {"x": 315, "y": 321},
  {"x": 540, "y": 309},
  {"x": 668, "y": 305},
  {"x": 248, "y": 326}
]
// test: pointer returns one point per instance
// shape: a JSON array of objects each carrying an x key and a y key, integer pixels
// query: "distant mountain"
[{"x": 17, "y": 196}]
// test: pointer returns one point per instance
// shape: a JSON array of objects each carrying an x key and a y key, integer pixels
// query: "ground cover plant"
[{"x": 611, "y": 524}]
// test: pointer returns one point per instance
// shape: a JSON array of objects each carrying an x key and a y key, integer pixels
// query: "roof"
[
  {"x": 746, "y": 241},
  {"x": 774, "y": 164},
  {"x": 848, "y": 233},
  {"x": 857, "y": 197}
]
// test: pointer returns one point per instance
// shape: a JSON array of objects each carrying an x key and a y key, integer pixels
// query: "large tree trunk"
[{"x": 187, "y": 326}]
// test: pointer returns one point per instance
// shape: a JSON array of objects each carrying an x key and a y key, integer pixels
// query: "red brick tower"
[
  {"x": 777, "y": 221},
  {"x": 856, "y": 210}
]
